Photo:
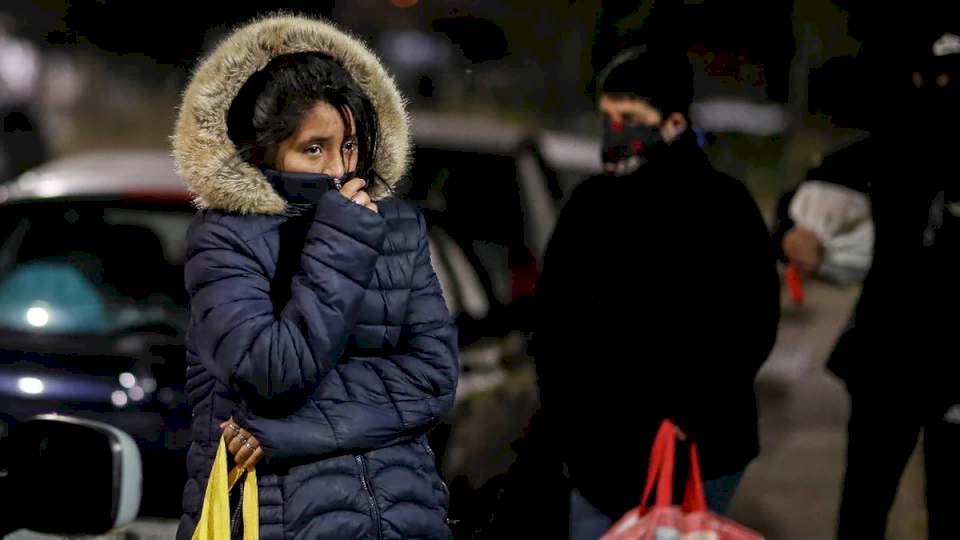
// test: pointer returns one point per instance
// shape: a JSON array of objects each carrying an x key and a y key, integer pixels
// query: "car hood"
[
  {"x": 77, "y": 370},
  {"x": 25, "y": 380}
]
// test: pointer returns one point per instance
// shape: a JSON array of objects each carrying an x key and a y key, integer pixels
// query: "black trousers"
[{"x": 882, "y": 434}]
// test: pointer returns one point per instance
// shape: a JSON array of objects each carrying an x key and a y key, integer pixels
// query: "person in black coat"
[
  {"x": 320, "y": 344},
  {"x": 659, "y": 299},
  {"x": 896, "y": 356}
]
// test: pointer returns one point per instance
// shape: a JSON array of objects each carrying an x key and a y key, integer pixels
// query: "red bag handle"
[
  {"x": 660, "y": 471},
  {"x": 657, "y": 453},
  {"x": 694, "y": 498},
  {"x": 665, "y": 482}
]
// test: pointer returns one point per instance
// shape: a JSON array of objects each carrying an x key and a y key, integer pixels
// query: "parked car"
[
  {"x": 491, "y": 192},
  {"x": 93, "y": 307},
  {"x": 67, "y": 476}
]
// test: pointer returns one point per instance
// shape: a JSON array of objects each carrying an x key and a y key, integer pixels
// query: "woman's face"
[{"x": 318, "y": 146}]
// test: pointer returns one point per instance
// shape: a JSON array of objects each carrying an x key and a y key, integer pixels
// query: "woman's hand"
[
  {"x": 244, "y": 447},
  {"x": 354, "y": 190}
]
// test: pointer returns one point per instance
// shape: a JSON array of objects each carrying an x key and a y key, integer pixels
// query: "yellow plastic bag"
[{"x": 214, "y": 521}]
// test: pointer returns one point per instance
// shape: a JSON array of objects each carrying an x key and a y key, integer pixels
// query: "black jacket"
[
  {"x": 659, "y": 299},
  {"x": 898, "y": 335}
]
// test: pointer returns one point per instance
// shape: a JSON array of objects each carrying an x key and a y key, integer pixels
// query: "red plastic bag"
[{"x": 691, "y": 520}]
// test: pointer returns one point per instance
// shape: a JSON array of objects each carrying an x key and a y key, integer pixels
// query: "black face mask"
[
  {"x": 623, "y": 142},
  {"x": 304, "y": 188},
  {"x": 933, "y": 106}
]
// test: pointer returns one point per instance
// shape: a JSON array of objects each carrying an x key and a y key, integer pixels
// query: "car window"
[
  {"x": 463, "y": 287},
  {"x": 53, "y": 296},
  {"x": 447, "y": 285},
  {"x": 170, "y": 227},
  {"x": 471, "y": 195},
  {"x": 91, "y": 267},
  {"x": 475, "y": 199}
]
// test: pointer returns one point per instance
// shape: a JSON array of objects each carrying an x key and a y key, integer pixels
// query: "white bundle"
[{"x": 840, "y": 218}]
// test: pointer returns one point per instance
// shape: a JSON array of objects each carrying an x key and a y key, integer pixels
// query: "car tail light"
[{"x": 523, "y": 274}]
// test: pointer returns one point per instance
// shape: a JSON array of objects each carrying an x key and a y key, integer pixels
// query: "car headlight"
[
  {"x": 30, "y": 385},
  {"x": 134, "y": 389}
]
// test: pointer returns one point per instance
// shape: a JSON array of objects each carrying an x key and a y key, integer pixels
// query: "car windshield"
[
  {"x": 460, "y": 191},
  {"x": 92, "y": 267}
]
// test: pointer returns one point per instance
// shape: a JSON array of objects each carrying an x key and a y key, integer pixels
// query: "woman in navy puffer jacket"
[{"x": 318, "y": 324}]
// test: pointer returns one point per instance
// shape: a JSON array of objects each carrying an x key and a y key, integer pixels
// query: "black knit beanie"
[{"x": 661, "y": 76}]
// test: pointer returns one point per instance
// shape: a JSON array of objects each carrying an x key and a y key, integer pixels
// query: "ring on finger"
[
  {"x": 248, "y": 445},
  {"x": 234, "y": 427},
  {"x": 243, "y": 440}
]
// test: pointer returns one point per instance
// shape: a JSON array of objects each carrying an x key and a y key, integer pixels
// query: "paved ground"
[{"x": 792, "y": 491}]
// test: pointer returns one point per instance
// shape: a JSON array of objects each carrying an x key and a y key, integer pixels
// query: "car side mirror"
[{"x": 68, "y": 476}]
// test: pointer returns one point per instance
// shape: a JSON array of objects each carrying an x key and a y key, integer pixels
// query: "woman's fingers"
[
  {"x": 229, "y": 429},
  {"x": 353, "y": 187},
  {"x": 361, "y": 198},
  {"x": 243, "y": 455},
  {"x": 355, "y": 191},
  {"x": 249, "y": 454},
  {"x": 254, "y": 458},
  {"x": 235, "y": 445},
  {"x": 242, "y": 445},
  {"x": 228, "y": 436}
]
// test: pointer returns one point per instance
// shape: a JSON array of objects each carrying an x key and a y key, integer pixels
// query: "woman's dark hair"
[{"x": 274, "y": 101}]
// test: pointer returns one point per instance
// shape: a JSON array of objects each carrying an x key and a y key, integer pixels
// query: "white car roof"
[
  {"x": 122, "y": 173},
  {"x": 462, "y": 133},
  {"x": 570, "y": 152},
  {"x": 108, "y": 174},
  {"x": 561, "y": 150}
]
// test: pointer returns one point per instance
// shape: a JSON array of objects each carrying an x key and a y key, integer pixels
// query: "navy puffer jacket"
[{"x": 321, "y": 331}]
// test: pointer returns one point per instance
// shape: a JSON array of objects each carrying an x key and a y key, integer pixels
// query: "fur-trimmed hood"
[{"x": 206, "y": 157}]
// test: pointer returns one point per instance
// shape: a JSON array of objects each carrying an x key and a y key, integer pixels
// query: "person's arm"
[
  {"x": 848, "y": 258},
  {"x": 374, "y": 402},
  {"x": 832, "y": 232},
  {"x": 855, "y": 167},
  {"x": 271, "y": 356},
  {"x": 566, "y": 304},
  {"x": 782, "y": 224},
  {"x": 736, "y": 327},
  {"x": 714, "y": 337},
  {"x": 754, "y": 288}
]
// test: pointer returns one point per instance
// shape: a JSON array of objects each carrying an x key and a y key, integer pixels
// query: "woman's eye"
[
  {"x": 350, "y": 146},
  {"x": 314, "y": 150}
]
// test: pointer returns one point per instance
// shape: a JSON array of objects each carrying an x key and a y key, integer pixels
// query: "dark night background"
[{"x": 113, "y": 70}]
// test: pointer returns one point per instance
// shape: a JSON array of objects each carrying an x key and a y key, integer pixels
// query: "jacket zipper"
[
  {"x": 426, "y": 446},
  {"x": 373, "y": 501},
  {"x": 443, "y": 483},
  {"x": 237, "y": 520}
]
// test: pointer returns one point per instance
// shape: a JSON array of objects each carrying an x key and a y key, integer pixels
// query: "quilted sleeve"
[
  {"x": 274, "y": 356},
  {"x": 392, "y": 398}
]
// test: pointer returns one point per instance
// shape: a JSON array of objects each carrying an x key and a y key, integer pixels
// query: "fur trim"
[{"x": 205, "y": 155}]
